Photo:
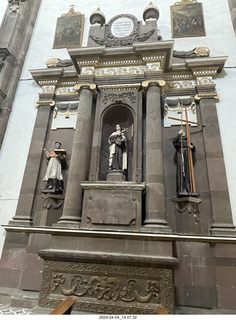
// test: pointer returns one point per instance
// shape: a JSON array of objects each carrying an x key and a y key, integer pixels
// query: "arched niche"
[{"x": 116, "y": 114}]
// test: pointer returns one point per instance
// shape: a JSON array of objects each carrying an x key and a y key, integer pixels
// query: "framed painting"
[
  {"x": 69, "y": 30},
  {"x": 187, "y": 19}
]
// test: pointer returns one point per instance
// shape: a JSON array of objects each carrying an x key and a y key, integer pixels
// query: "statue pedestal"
[
  {"x": 112, "y": 205},
  {"x": 187, "y": 214},
  {"x": 116, "y": 175}
]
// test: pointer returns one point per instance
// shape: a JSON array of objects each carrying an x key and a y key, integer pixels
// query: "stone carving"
[
  {"x": 194, "y": 53},
  {"x": 107, "y": 288},
  {"x": 117, "y": 150},
  {"x": 14, "y": 5},
  {"x": 65, "y": 109},
  {"x": 180, "y": 85},
  {"x": 52, "y": 201},
  {"x": 128, "y": 97},
  {"x": 122, "y": 30},
  {"x": 204, "y": 80},
  {"x": 179, "y": 105},
  {"x": 188, "y": 204},
  {"x": 123, "y": 289},
  {"x": 53, "y": 176},
  {"x": 111, "y": 41},
  {"x": 56, "y": 63}
]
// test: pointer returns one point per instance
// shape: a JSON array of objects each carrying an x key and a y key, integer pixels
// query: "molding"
[
  {"x": 121, "y": 87},
  {"x": 207, "y": 95},
  {"x": 112, "y": 186},
  {"x": 45, "y": 103},
  {"x": 119, "y": 235}
]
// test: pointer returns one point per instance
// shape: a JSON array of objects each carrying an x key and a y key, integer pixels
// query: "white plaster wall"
[
  {"x": 3, "y": 7},
  {"x": 15, "y": 149},
  {"x": 219, "y": 38}
]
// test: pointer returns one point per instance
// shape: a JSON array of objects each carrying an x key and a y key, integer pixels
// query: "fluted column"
[
  {"x": 78, "y": 170},
  {"x": 155, "y": 189}
]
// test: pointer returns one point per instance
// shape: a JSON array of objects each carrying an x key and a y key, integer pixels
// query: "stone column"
[
  {"x": 155, "y": 189},
  {"x": 29, "y": 184},
  {"x": 220, "y": 204},
  {"x": 79, "y": 163}
]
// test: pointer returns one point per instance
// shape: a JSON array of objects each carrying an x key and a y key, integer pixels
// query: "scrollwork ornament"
[
  {"x": 148, "y": 83},
  {"x": 202, "y": 51}
]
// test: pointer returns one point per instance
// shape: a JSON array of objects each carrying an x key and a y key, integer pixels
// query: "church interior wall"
[{"x": 17, "y": 140}]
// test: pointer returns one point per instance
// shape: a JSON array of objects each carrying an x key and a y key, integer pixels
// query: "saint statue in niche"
[
  {"x": 184, "y": 175},
  {"x": 117, "y": 150},
  {"x": 53, "y": 176}
]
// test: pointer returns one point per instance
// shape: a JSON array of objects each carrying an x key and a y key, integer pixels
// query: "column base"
[
  {"x": 156, "y": 226},
  {"x": 223, "y": 229},
  {"x": 68, "y": 222},
  {"x": 21, "y": 221}
]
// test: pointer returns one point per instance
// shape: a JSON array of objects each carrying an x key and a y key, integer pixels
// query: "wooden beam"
[{"x": 64, "y": 307}]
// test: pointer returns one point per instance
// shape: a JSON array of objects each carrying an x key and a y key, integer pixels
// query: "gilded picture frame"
[
  {"x": 187, "y": 20},
  {"x": 69, "y": 30}
]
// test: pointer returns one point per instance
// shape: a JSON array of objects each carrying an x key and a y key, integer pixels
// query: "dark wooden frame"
[
  {"x": 187, "y": 20},
  {"x": 66, "y": 35}
]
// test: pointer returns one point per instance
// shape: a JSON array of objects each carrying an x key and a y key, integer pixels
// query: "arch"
[{"x": 114, "y": 114}]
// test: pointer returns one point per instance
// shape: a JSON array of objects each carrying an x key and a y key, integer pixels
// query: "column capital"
[
  {"x": 46, "y": 97},
  {"x": 90, "y": 86},
  {"x": 150, "y": 83}
]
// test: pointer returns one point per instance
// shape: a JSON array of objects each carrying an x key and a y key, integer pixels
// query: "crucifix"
[{"x": 185, "y": 150}]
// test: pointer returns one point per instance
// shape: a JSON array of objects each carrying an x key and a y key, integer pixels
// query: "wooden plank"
[
  {"x": 161, "y": 310},
  {"x": 64, "y": 307}
]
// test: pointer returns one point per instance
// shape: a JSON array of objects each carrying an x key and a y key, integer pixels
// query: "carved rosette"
[{"x": 107, "y": 288}]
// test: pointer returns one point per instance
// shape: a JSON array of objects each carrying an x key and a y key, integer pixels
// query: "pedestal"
[{"x": 112, "y": 205}]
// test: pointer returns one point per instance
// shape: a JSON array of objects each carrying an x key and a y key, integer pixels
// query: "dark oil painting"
[
  {"x": 187, "y": 20},
  {"x": 69, "y": 31}
]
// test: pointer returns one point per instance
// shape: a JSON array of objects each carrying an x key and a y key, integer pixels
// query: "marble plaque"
[{"x": 122, "y": 27}]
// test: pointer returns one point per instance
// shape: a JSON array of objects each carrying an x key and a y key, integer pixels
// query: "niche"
[{"x": 116, "y": 114}]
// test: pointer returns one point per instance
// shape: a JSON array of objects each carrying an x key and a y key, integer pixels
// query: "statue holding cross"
[{"x": 185, "y": 149}]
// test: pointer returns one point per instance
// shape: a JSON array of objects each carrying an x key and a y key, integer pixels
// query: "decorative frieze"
[
  {"x": 176, "y": 85},
  {"x": 107, "y": 288},
  {"x": 66, "y": 91}
]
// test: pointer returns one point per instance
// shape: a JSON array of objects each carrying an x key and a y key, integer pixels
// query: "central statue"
[{"x": 117, "y": 150}]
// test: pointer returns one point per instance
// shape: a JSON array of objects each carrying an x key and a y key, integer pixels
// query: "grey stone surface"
[{"x": 78, "y": 170}]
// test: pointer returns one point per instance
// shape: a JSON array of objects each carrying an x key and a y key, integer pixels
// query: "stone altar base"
[
  {"x": 126, "y": 273},
  {"x": 112, "y": 205}
]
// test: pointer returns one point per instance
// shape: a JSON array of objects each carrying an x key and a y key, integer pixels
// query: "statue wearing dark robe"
[{"x": 183, "y": 172}]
